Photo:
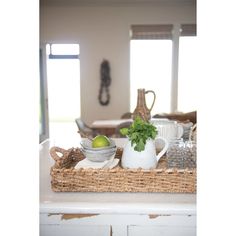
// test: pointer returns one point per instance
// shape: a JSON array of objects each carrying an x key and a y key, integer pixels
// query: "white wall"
[{"x": 103, "y": 33}]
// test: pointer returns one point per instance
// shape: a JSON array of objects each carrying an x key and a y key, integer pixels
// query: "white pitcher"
[
  {"x": 168, "y": 129},
  {"x": 145, "y": 159}
]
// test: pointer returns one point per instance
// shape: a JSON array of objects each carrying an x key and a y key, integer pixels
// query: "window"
[
  {"x": 187, "y": 93},
  {"x": 159, "y": 55},
  {"x": 151, "y": 69},
  {"x": 63, "y": 76}
]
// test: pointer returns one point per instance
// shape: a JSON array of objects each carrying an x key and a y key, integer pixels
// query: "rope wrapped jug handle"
[{"x": 154, "y": 98}]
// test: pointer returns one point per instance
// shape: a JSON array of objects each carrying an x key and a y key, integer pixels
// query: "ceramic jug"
[
  {"x": 168, "y": 129},
  {"x": 141, "y": 109},
  {"x": 146, "y": 159}
]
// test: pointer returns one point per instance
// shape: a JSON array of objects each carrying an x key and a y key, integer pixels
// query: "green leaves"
[
  {"x": 139, "y": 132},
  {"x": 124, "y": 131}
]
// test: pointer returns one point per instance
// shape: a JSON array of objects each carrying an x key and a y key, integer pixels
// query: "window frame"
[
  {"x": 43, "y": 95},
  {"x": 178, "y": 30}
]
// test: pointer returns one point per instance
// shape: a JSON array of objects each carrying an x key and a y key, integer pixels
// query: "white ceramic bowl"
[{"x": 99, "y": 155}]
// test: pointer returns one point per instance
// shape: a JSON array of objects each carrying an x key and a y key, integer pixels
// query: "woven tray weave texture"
[{"x": 65, "y": 178}]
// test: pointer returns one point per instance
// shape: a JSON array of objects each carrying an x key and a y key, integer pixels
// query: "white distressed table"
[{"x": 117, "y": 214}]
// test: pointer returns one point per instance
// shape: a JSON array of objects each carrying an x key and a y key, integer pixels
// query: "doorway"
[{"x": 63, "y": 82}]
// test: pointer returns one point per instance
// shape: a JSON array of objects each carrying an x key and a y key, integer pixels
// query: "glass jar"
[
  {"x": 181, "y": 154},
  {"x": 175, "y": 154},
  {"x": 191, "y": 153}
]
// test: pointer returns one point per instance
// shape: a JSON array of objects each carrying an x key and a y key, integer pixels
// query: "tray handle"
[{"x": 55, "y": 150}]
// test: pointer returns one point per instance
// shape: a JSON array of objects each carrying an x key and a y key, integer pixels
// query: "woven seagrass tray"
[{"x": 65, "y": 178}]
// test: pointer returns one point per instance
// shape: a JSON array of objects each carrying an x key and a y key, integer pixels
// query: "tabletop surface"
[
  {"x": 113, "y": 123},
  {"x": 108, "y": 123},
  {"x": 107, "y": 203}
]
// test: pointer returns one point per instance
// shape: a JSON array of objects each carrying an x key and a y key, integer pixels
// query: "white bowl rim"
[{"x": 112, "y": 142}]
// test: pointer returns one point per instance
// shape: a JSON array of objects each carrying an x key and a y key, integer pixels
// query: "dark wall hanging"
[{"x": 104, "y": 95}]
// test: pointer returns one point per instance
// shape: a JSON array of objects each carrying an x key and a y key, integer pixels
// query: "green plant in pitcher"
[{"x": 138, "y": 133}]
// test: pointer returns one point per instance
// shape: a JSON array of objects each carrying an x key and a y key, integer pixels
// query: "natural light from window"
[
  {"x": 150, "y": 68},
  {"x": 64, "y": 49},
  {"x": 187, "y": 92},
  {"x": 63, "y": 77}
]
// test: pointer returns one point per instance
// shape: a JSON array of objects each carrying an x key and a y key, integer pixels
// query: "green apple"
[{"x": 100, "y": 141}]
